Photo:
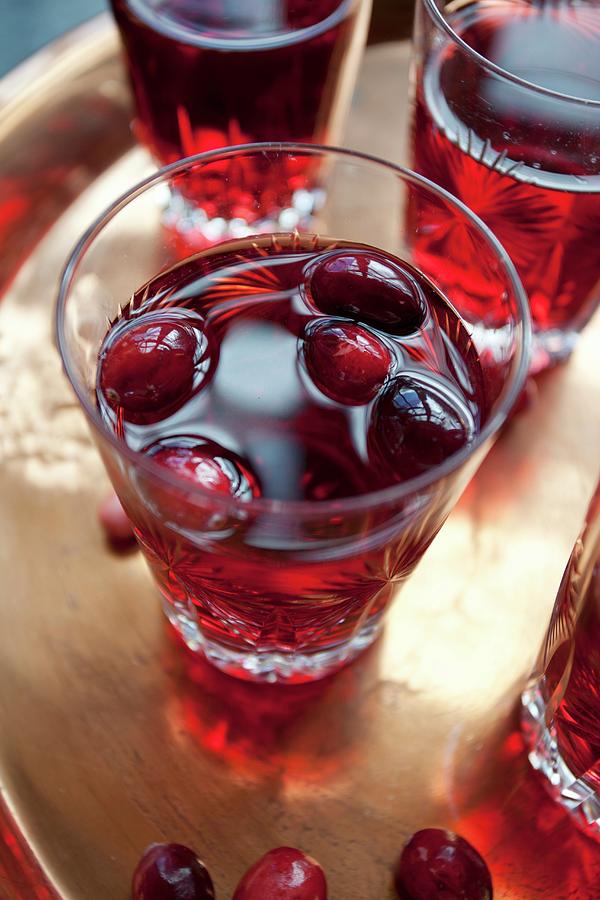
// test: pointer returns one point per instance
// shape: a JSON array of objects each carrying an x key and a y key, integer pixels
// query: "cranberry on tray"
[
  {"x": 283, "y": 874},
  {"x": 171, "y": 872},
  {"x": 116, "y": 523},
  {"x": 439, "y": 865}
]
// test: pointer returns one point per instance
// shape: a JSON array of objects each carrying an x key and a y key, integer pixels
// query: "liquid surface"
[
  {"x": 553, "y": 46},
  {"x": 292, "y": 369},
  {"x": 526, "y": 161},
  {"x": 231, "y": 20},
  {"x": 546, "y": 44}
]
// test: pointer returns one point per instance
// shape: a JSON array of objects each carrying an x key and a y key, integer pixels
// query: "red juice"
[
  {"x": 277, "y": 369},
  {"x": 218, "y": 73},
  {"x": 527, "y": 162},
  {"x": 562, "y": 703}
]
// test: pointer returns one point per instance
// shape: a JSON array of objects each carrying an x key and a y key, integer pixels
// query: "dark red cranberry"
[
  {"x": 283, "y": 874},
  {"x": 440, "y": 865},
  {"x": 206, "y": 463},
  {"x": 347, "y": 363},
  {"x": 115, "y": 522},
  {"x": 368, "y": 286},
  {"x": 526, "y": 399},
  {"x": 415, "y": 426},
  {"x": 148, "y": 366},
  {"x": 171, "y": 872}
]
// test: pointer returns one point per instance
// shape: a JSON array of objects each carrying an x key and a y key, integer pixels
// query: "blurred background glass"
[{"x": 29, "y": 24}]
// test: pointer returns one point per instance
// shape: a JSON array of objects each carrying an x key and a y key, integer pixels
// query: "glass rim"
[
  {"x": 302, "y": 508},
  {"x": 201, "y": 38},
  {"x": 437, "y": 15}
]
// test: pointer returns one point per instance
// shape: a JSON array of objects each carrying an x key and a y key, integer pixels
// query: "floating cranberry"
[
  {"x": 440, "y": 865},
  {"x": 171, "y": 872},
  {"x": 416, "y": 426},
  {"x": 283, "y": 874},
  {"x": 147, "y": 368},
  {"x": 368, "y": 286},
  {"x": 347, "y": 363},
  {"x": 115, "y": 522},
  {"x": 206, "y": 463}
]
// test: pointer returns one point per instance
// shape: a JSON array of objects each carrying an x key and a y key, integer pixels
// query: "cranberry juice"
[
  {"x": 217, "y": 73},
  {"x": 562, "y": 703},
  {"x": 527, "y": 162},
  {"x": 275, "y": 369}
]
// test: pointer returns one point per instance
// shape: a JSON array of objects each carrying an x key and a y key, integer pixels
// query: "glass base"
[
  {"x": 550, "y": 348},
  {"x": 193, "y": 226},
  {"x": 573, "y": 793},
  {"x": 271, "y": 666}
]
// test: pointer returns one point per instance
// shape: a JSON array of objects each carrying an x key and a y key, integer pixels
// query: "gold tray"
[{"x": 111, "y": 737}]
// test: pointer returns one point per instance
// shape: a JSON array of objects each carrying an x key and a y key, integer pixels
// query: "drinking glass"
[
  {"x": 286, "y": 589},
  {"x": 214, "y": 73},
  {"x": 561, "y": 705},
  {"x": 506, "y": 116}
]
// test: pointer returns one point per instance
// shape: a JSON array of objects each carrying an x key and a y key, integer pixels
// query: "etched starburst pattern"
[
  {"x": 525, "y": 220},
  {"x": 526, "y": 163}
]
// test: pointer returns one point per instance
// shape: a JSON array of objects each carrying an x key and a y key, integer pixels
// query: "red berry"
[
  {"x": 439, "y": 865},
  {"x": 115, "y": 522},
  {"x": 283, "y": 874},
  {"x": 347, "y": 363},
  {"x": 171, "y": 872},
  {"x": 368, "y": 286},
  {"x": 206, "y": 463},
  {"x": 147, "y": 366},
  {"x": 526, "y": 399},
  {"x": 415, "y": 426}
]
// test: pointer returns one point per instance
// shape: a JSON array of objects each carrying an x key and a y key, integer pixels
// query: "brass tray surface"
[{"x": 111, "y": 737}]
